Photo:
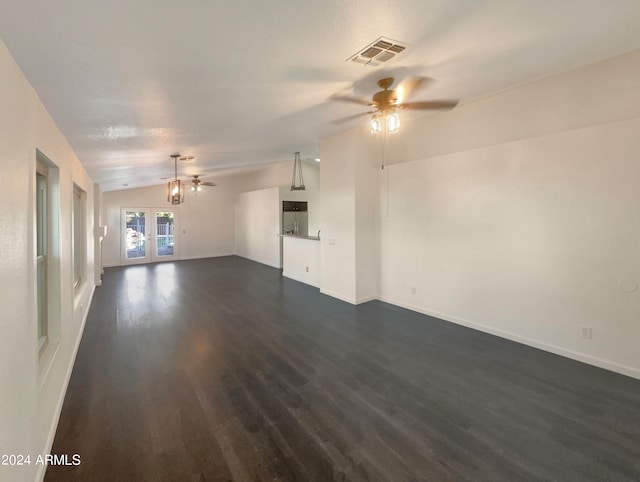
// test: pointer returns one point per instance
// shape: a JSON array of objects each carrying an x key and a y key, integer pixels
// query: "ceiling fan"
[
  {"x": 387, "y": 101},
  {"x": 197, "y": 183}
]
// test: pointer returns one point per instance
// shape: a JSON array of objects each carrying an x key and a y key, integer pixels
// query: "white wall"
[
  {"x": 518, "y": 214},
  {"x": 337, "y": 216},
  {"x": 205, "y": 221},
  {"x": 301, "y": 260},
  {"x": 257, "y": 224},
  {"x": 32, "y": 389},
  {"x": 349, "y": 256}
]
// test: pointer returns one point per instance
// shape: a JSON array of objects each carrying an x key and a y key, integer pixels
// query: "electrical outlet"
[
  {"x": 413, "y": 290},
  {"x": 332, "y": 242},
  {"x": 586, "y": 332}
]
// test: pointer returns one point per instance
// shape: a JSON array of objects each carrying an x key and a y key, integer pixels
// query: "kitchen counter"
[{"x": 312, "y": 238}]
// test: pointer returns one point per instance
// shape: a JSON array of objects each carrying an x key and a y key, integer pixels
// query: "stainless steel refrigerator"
[{"x": 295, "y": 218}]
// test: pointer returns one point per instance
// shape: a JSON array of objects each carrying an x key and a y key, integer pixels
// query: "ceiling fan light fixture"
[
  {"x": 376, "y": 124},
  {"x": 386, "y": 122},
  {"x": 197, "y": 184},
  {"x": 393, "y": 123}
]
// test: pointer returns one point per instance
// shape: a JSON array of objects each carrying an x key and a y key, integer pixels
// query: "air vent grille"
[{"x": 378, "y": 52}]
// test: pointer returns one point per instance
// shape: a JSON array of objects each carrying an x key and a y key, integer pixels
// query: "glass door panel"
[
  {"x": 134, "y": 232},
  {"x": 165, "y": 247}
]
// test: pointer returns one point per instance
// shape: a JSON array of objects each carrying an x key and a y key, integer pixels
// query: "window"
[
  {"x": 79, "y": 235},
  {"x": 46, "y": 234},
  {"x": 42, "y": 245}
]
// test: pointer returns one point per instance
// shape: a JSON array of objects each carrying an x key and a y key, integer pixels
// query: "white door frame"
[{"x": 150, "y": 238}]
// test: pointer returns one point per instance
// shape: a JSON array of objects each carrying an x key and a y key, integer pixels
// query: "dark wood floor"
[{"x": 220, "y": 369}]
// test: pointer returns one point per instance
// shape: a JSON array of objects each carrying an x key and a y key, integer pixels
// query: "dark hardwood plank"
[{"x": 220, "y": 369}]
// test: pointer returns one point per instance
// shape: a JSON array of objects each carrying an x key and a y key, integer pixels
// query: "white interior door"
[{"x": 148, "y": 234}]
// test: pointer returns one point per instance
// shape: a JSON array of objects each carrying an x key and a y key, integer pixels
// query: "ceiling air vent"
[{"x": 378, "y": 52}]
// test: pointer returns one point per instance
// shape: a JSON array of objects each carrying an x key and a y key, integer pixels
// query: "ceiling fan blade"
[
  {"x": 409, "y": 86},
  {"x": 208, "y": 183},
  {"x": 352, "y": 100},
  {"x": 351, "y": 117},
  {"x": 430, "y": 105}
]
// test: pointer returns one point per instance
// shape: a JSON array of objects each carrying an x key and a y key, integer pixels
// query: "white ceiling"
[{"x": 244, "y": 83}]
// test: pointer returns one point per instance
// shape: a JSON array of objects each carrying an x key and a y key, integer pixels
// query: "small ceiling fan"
[
  {"x": 196, "y": 183},
  {"x": 386, "y": 101}
]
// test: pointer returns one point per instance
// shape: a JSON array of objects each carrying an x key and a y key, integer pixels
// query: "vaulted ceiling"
[{"x": 240, "y": 84}]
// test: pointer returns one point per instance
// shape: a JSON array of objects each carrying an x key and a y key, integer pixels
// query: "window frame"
[
  {"x": 43, "y": 242},
  {"x": 79, "y": 236}
]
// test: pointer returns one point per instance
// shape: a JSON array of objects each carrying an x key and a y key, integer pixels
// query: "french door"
[{"x": 148, "y": 235}]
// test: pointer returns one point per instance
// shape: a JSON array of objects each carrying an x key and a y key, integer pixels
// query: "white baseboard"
[
  {"x": 217, "y": 255},
  {"x": 365, "y": 299},
  {"x": 591, "y": 360},
  {"x": 353, "y": 301},
  {"x": 338, "y": 296},
  {"x": 261, "y": 261},
  {"x": 58, "y": 410},
  {"x": 300, "y": 279}
]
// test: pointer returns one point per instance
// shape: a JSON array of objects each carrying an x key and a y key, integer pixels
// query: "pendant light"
[
  {"x": 297, "y": 182},
  {"x": 175, "y": 190}
]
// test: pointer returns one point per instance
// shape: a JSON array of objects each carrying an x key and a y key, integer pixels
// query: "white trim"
[
  {"x": 299, "y": 279},
  {"x": 353, "y": 301},
  {"x": 365, "y": 299},
  {"x": 45, "y": 361},
  {"x": 181, "y": 259},
  {"x": 338, "y": 296},
  {"x": 591, "y": 360},
  {"x": 63, "y": 393},
  {"x": 277, "y": 265},
  {"x": 208, "y": 256}
]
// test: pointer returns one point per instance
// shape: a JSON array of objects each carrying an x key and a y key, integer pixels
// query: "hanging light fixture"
[
  {"x": 297, "y": 182},
  {"x": 175, "y": 190}
]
